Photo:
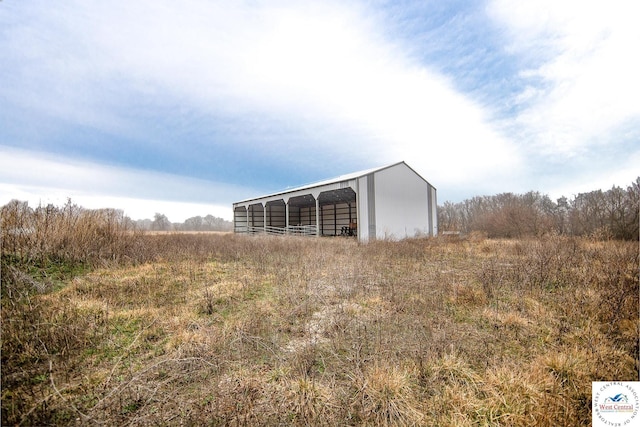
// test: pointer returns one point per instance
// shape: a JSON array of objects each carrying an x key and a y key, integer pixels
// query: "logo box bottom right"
[{"x": 615, "y": 403}]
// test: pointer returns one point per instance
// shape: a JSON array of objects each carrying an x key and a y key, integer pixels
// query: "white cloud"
[
  {"x": 324, "y": 68},
  {"x": 132, "y": 207},
  {"x": 584, "y": 68},
  {"x": 625, "y": 173},
  {"x": 38, "y": 178}
]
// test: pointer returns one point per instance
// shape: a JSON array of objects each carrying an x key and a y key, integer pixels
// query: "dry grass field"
[{"x": 222, "y": 329}]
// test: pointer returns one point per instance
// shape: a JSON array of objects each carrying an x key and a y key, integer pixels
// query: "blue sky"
[{"x": 184, "y": 107}]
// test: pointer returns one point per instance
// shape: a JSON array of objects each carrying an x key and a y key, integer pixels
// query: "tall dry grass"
[
  {"x": 242, "y": 330},
  {"x": 68, "y": 234}
]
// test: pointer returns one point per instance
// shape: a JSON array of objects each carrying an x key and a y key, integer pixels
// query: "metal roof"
[{"x": 341, "y": 178}]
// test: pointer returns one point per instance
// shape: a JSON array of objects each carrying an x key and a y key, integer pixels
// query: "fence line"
[{"x": 300, "y": 230}]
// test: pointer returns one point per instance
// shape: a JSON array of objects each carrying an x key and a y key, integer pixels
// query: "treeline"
[
  {"x": 606, "y": 214},
  {"x": 160, "y": 222}
]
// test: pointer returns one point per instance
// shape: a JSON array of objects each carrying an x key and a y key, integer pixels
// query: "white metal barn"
[{"x": 390, "y": 202}]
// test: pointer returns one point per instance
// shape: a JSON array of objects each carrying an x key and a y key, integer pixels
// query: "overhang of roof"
[{"x": 336, "y": 180}]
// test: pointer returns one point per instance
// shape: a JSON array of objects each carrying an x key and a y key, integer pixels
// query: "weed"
[{"x": 242, "y": 330}]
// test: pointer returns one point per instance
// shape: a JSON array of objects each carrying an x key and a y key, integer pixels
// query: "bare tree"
[
  {"x": 614, "y": 213},
  {"x": 160, "y": 223}
]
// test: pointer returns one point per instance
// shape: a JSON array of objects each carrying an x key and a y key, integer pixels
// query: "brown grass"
[{"x": 221, "y": 329}]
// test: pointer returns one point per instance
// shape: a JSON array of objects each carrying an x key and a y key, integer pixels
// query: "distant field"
[{"x": 222, "y": 329}]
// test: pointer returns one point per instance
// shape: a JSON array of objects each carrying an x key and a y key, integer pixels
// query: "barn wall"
[
  {"x": 336, "y": 216},
  {"x": 294, "y": 215},
  {"x": 239, "y": 219},
  {"x": 401, "y": 203},
  {"x": 391, "y": 202},
  {"x": 276, "y": 215},
  {"x": 256, "y": 215},
  {"x": 308, "y": 215}
]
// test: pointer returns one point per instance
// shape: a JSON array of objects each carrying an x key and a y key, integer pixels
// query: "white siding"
[
  {"x": 391, "y": 202},
  {"x": 401, "y": 203},
  {"x": 434, "y": 211},
  {"x": 363, "y": 206}
]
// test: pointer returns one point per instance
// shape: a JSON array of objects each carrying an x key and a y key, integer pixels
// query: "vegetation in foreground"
[{"x": 104, "y": 325}]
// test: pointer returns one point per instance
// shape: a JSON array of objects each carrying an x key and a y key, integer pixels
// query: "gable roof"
[{"x": 335, "y": 180}]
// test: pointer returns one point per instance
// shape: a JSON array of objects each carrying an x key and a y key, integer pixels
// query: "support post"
[
  {"x": 317, "y": 217},
  {"x": 264, "y": 214},
  {"x": 286, "y": 215}
]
